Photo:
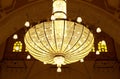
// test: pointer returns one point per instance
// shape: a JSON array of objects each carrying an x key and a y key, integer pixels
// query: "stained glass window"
[
  {"x": 102, "y": 47},
  {"x": 17, "y": 47}
]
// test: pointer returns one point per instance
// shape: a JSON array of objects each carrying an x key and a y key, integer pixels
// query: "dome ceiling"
[{"x": 111, "y": 6}]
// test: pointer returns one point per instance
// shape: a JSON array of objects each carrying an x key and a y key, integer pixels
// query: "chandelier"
[{"x": 59, "y": 41}]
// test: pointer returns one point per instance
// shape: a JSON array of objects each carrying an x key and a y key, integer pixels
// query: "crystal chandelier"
[{"x": 59, "y": 41}]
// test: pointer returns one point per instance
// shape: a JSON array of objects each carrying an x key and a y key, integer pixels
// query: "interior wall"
[
  {"x": 117, "y": 47},
  {"x": 2, "y": 48}
]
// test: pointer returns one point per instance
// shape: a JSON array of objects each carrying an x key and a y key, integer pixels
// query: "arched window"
[
  {"x": 102, "y": 47},
  {"x": 17, "y": 46},
  {"x": 93, "y": 48}
]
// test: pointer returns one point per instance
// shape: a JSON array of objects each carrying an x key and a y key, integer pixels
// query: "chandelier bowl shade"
[{"x": 59, "y": 38}]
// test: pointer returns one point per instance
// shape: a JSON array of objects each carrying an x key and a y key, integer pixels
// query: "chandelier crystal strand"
[{"x": 59, "y": 41}]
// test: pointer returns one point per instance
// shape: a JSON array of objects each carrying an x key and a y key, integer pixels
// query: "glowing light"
[
  {"x": 97, "y": 52},
  {"x": 52, "y": 17},
  {"x": 27, "y": 24},
  {"x": 98, "y": 30},
  {"x": 81, "y": 60},
  {"x": 79, "y": 19},
  {"x": 103, "y": 42},
  {"x": 59, "y": 69},
  {"x": 59, "y": 60},
  {"x": 15, "y": 36},
  {"x": 28, "y": 57},
  {"x": 44, "y": 63},
  {"x": 17, "y": 48}
]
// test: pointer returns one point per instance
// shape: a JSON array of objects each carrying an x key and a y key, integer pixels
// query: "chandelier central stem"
[{"x": 59, "y": 9}]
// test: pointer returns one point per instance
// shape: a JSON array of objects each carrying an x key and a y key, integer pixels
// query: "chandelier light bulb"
[
  {"x": 59, "y": 60},
  {"x": 52, "y": 17},
  {"x": 44, "y": 63},
  {"x": 79, "y": 19},
  {"x": 97, "y": 52},
  {"x": 27, "y": 24},
  {"x": 59, "y": 69},
  {"x": 81, "y": 60},
  {"x": 15, "y": 36},
  {"x": 98, "y": 30},
  {"x": 28, "y": 57}
]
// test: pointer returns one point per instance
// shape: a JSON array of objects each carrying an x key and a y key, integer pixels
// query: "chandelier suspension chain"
[
  {"x": 74, "y": 53},
  {"x": 34, "y": 43},
  {"x": 70, "y": 38},
  {"x": 35, "y": 49},
  {"x": 35, "y": 54},
  {"x": 40, "y": 40},
  {"x": 63, "y": 36},
  {"x": 76, "y": 41},
  {"x": 47, "y": 37},
  {"x": 54, "y": 35},
  {"x": 82, "y": 43},
  {"x": 83, "y": 49}
]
